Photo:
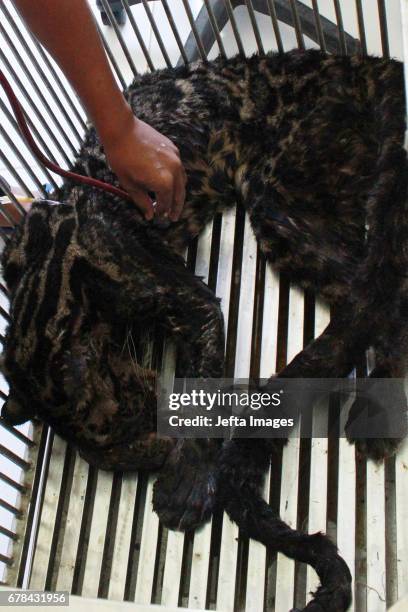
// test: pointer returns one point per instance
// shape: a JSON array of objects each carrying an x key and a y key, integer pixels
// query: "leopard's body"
[{"x": 312, "y": 147}]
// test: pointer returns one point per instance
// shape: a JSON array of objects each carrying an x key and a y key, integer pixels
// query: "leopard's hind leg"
[
  {"x": 377, "y": 421},
  {"x": 372, "y": 310},
  {"x": 292, "y": 249}
]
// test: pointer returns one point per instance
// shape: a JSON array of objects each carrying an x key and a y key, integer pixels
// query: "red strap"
[{"x": 19, "y": 114}]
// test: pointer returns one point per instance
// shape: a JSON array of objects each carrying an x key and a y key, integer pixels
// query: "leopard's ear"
[{"x": 16, "y": 413}]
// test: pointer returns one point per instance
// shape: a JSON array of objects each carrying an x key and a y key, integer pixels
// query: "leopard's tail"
[{"x": 242, "y": 466}]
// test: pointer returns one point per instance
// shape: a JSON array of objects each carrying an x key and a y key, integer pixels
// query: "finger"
[
  {"x": 164, "y": 197},
  {"x": 143, "y": 201},
  {"x": 179, "y": 196}
]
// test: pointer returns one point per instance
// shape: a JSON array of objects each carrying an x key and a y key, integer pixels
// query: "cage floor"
[{"x": 95, "y": 533}]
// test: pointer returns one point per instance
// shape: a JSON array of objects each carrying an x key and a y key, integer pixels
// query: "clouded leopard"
[{"x": 311, "y": 146}]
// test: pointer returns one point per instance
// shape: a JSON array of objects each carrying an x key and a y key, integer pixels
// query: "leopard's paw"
[{"x": 184, "y": 494}]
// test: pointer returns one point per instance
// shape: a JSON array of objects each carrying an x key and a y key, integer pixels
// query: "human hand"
[{"x": 146, "y": 161}]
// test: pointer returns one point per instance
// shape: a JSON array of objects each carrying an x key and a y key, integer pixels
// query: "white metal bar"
[
  {"x": 255, "y": 588},
  {"x": 97, "y": 534},
  {"x": 246, "y": 303},
  {"x": 73, "y": 525},
  {"x": 229, "y": 544},
  {"x": 255, "y": 591},
  {"x": 174, "y": 29},
  {"x": 196, "y": 35},
  {"x": 172, "y": 568},
  {"x": 275, "y": 25},
  {"x": 401, "y": 462},
  {"x": 376, "y": 571},
  {"x": 318, "y": 461},
  {"x": 123, "y": 537},
  {"x": 48, "y": 515},
  {"x": 285, "y": 572},
  {"x": 22, "y": 549},
  {"x": 138, "y": 34},
  {"x": 121, "y": 40},
  {"x": 148, "y": 547},
  {"x": 175, "y": 539},
  {"x": 242, "y": 370},
  {"x": 269, "y": 323},
  {"x": 346, "y": 512},
  {"x": 202, "y": 537},
  {"x": 401, "y": 491},
  {"x": 157, "y": 33},
  {"x": 224, "y": 272},
  {"x": 202, "y": 266},
  {"x": 200, "y": 567},
  {"x": 255, "y": 28},
  {"x": 234, "y": 27},
  {"x": 215, "y": 29}
]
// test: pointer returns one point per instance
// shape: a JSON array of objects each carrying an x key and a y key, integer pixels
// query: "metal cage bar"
[
  {"x": 23, "y": 161},
  {"x": 12, "y": 483},
  {"x": 50, "y": 67},
  {"x": 174, "y": 29},
  {"x": 119, "y": 36},
  {"x": 275, "y": 25},
  {"x": 30, "y": 101},
  {"x": 37, "y": 89},
  {"x": 297, "y": 24},
  {"x": 157, "y": 33},
  {"x": 214, "y": 26},
  {"x": 361, "y": 27},
  {"x": 36, "y": 133},
  {"x": 291, "y": 12},
  {"x": 202, "y": 52},
  {"x": 319, "y": 28},
  {"x": 255, "y": 28},
  {"x": 16, "y": 175},
  {"x": 111, "y": 57},
  {"x": 63, "y": 89},
  {"x": 19, "y": 461},
  {"x": 382, "y": 13},
  {"x": 137, "y": 33},
  {"x": 32, "y": 127},
  {"x": 339, "y": 19},
  {"x": 4, "y": 186},
  {"x": 6, "y": 532},
  {"x": 231, "y": 17},
  {"x": 10, "y": 221}
]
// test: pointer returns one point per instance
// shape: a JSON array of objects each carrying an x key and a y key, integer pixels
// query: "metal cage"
[{"x": 67, "y": 526}]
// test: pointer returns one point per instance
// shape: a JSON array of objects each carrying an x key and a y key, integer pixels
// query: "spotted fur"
[{"x": 312, "y": 147}]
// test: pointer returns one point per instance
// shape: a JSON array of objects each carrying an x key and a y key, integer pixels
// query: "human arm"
[{"x": 142, "y": 158}]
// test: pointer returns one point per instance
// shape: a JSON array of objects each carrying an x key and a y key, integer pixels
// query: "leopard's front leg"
[
  {"x": 194, "y": 318},
  {"x": 140, "y": 281}
]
